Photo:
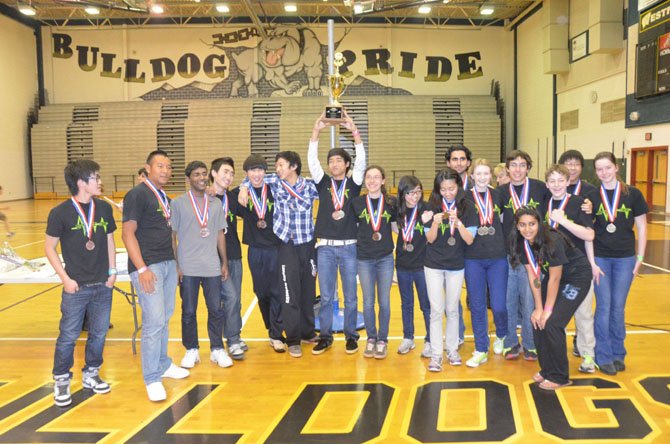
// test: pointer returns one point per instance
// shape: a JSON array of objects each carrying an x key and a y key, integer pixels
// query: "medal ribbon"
[
  {"x": 224, "y": 203},
  {"x": 294, "y": 191},
  {"x": 262, "y": 206},
  {"x": 485, "y": 209},
  {"x": 466, "y": 182},
  {"x": 561, "y": 206},
  {"x": 408, "y": 229},
  {"x": 337, "y": 193},
  {"x": 531, "y": 259},
  {"x": 87, "y": 221},
  {"x": 611, "y": 207},
  {"x": 375, "y": 221},
  {"x": 578, "y": 187},
  {"x": 201, "y": 215},
  {"x": 446, "y": 206},
  {"x": 525, "y": 192},
  {"x": 162, "y": 198}
]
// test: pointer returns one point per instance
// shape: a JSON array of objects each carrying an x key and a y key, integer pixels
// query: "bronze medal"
[
  {"x": 536, "y": 283},
  {"x": 451, "y": 241},
  {"x": 408, "y": 247},
  {"x": 492, "y": 231},
  {"x": 611, "y": 228},
  {"x": 376, "y": 236},
  {"x": 338, "y": 214},
  {"x": 90, "y": 245},
  {"x": 204, "y": 232},
  {"x": 261, "y": 224}
]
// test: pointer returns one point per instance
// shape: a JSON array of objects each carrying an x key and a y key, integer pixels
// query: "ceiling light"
[
  {"x": 157, "y": 9},
  {"x": 290, "y": 7},
  {"x": 92, "y": 10},
  {"x": 222, "y": 7},
  {"x": 486, "y": 9},
  {"x": 425, "y": 9},
  {"x": 26, "y": 9},
  {"x": 446, "y": 1},
  {"x": 358, "y": 8}
]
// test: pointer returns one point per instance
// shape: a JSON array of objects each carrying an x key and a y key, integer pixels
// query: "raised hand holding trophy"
[{"x": 334, "y": 112}]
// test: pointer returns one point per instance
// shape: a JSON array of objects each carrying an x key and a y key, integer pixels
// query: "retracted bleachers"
[{"x": 481, "y": 127}]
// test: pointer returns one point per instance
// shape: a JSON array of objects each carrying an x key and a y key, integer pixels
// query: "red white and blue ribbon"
[
  {"x": 522, "y": 201},
  {"x": 408, "y": 228},
  {"x": 161, "y": 196},
  {"x": 224, "y": 203},
  {"x": 484, "y": 206},
  {"x": 578, "y": 187},
  {"x": 260, "y": 205},
  {"x": 531, "y": 259},
  {"x": 294, "y": 191},
  {"x": 448, "y": 206},
  {"x": 86, "y": 220},
  {"x": 561, "y": 206},
  {"x": 201, "y": 214},
  {"x": 611, "y": 207},
  {"x": 466, "y": 182},
  {"x": 337, "y": 193},
  {"x": 375, "y": 215}
]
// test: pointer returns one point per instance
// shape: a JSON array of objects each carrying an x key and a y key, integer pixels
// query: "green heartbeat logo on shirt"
[
  {"x": 250, "y": 205},
  {"x": 531, "y": 204},
  {"x": 419, "y": 227},
  {"x": 346, "y": 192},
  {"x": 365, "y": 215},
  {"x": 80, "y": 225},
  {"x": 622, "y": 209},
  {"x": 545, "y": 266},
  {"x": 230, "y": 215}
]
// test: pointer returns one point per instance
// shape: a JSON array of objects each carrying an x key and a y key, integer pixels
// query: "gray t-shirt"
[{"x": 197, "y": 255}]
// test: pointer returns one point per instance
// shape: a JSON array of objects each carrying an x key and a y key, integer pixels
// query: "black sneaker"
[
  {"x": 321, "y": 346},
  {"x": 351, "y": 346},
  {"x": 575, "y": 349},
  {"x": 95, "y": 383},
  {"x": 608, "y": 369},
  {"x": 512, "y": 352},
  {"x": 62, "y": 397},
  {"x": 619, "y": 365}
]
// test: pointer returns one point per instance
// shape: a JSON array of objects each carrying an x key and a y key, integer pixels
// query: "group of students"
[{"x": 532, "y": 249}]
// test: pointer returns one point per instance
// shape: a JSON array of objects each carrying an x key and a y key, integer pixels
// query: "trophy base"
[{"x": 334, "y": 114}]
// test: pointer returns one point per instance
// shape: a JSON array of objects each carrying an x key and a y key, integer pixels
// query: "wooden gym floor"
[{"x": 331, "y": 398}]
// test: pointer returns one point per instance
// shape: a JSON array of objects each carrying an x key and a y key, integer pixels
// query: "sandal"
[
  {"x": 551, "y": 386},
  {"x": 537, "y": 377}
]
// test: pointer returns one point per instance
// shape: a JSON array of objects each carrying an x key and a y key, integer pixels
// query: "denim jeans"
[
  {"x": 211, "y": 289},
  {"x": 377, "y": 272},
  {"x": 231, "y": 293},
  {"x": 519, "y": 299},
  {"x": 479, "y": 273},
  {"x": 264, "y": 268},
  {"x": 406, "y": 281},
  {"x": 157, "y": 309},
  {"x": 96, "y": 300},
  {"x": 611, "y": 297},
  {"x": 444, "y": 292},
  {"x": 329, "y": 259}
]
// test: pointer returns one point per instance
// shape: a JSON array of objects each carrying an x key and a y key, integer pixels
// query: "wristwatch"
[{"x": 112, "y": 272}]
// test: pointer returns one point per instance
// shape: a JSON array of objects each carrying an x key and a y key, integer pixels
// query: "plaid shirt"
[{"x": 292, "y": 218}]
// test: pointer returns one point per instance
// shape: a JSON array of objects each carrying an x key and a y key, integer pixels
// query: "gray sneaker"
[
  {"x": 435, "y": 364},
  {"x": 235, "y": 351},
  {"x": 454, "y": 358},
  {"x": 243, "y": 345},
  {"x": 295, "y": 351},
  {"x": 369, "y": 351},
  {"x": 62, "y": 396},
  {"x": 427, "y": 351},
  {"x": 381, "y": 349},
  {"x": 405, "y": 346},
  {"x": 93, "y": 382}
]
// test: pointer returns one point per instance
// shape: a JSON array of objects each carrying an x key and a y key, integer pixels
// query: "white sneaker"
[
  {"x": 175, "y": 372},
  {"x": 191, "y": 357},
  {"x": 221, "y": 358},
  {"x": 277, "y": 345},
  {"x": 454, "y": 358},
  {"x": 235, "y": 351},
  {"x": 156, "y": 392},
  {"x": 477, "y": 359},
  {"x": 498, "y": 345},
  {"x": 243, "y": 345},
  {"x": 405, "y": 346},
  {"x": 427, "y": 351}
]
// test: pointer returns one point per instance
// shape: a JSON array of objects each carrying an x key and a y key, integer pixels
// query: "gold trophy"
[{"x": 334, "y": 111}]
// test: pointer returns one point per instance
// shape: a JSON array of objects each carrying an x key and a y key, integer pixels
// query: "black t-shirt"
[
  {"x": 487, "y": 246},
  {"x": 573, "y": 211},
  {"x": 252, "y": 235},
  {"x": 588, "y": 191},
  {"x": 82, "y": 265},
  {"x": 537, "y": 197},
  {"x": 406, "y": 260},
  {"x": 439, "y": 254},
  {"x": 621, "y": 243},
  {"x": 366, "y": 247},
  {"x": 328, "y": 228},
  {"x": 154, "y": 235},
  {"x": 233, "y": 248}
]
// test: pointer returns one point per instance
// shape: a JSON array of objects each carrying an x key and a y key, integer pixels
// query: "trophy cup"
[{"x": 334, "y": 111}]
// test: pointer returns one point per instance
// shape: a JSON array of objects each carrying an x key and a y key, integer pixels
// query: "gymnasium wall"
[{"x": 18, "y": 88}]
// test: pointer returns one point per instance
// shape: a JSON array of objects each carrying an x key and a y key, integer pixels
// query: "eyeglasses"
[{"x": 414, "y": 193}]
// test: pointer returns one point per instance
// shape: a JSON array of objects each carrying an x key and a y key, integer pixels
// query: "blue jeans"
[
  {"x": 611, "y": 297},
  {"x": 264, "y": 268},
  {"x": 519, "y": 297},
  {"x": 157, "y": 309},
  {"x": 479, "y": 273},
  {"x": 377, "y": 272},
  {"x": 329, "y": 258},
  {"x": 405, "y": 280},
  {"x": 96, "y": 300},
  {"x": 211, "y": 289},
  {"x": 231, "y": 293}
]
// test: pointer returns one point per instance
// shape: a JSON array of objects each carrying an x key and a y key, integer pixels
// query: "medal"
[
  {"x": 408, "y": 247},
  {"x": 492, "y": 231},
  {"x": 561, "y": 206},
  {"x": 337, "y": 196},
  {"x": 532, "y": 262},
  {"x": 518, "y": 202},
  {"x": 611, "y": 206},
  {"x": 375, "y": 216},
  {"x": 202, "y": 215},
  {"x": 162, "y": 199},
  {"x": 86, "y": 221},
  {"x": 446, "y": 206},
  {"x": 537, "y": 283},
  {"x": 451, "y": 241},
  {"x": 407, "y": 231},
  {"x": 260, "y": 205},
  {"x": 484, "y": 209},
  {"x": 483, "y": 231}
]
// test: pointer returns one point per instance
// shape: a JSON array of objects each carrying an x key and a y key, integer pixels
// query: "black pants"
[
  {"x": 550, "y": 343},
  {"x": 297, "y": 269},
  {"x": 264, "y": 274}
]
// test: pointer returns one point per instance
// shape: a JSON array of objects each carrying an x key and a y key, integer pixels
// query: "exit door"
[{"x": 649, "y": 173}]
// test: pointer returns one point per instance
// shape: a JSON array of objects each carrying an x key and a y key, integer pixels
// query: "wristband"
[
  {"x": 112, "y": 272},
  {"x": 141, "y": 270},
  {"x": 355, "y": 133},
  {"x": 640, "y": 258}
]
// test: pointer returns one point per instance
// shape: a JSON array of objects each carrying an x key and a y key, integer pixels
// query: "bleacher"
[{"x": 403, "y": 134}]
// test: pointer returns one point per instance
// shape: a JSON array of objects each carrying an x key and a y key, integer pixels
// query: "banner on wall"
[{"x": 288, "y": 61}]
